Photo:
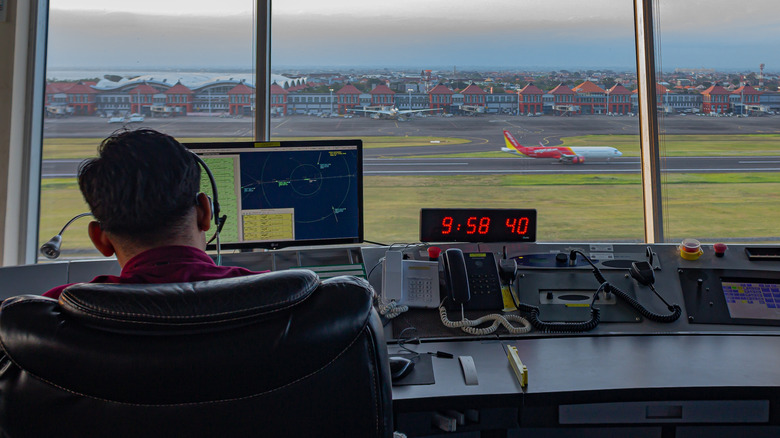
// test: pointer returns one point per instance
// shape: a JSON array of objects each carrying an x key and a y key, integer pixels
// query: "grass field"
[
  {"x": 671, "y": 145},
  {"x": 608, "y": 207},
  {"x": 74, "y": 148},
  {"x": 705, "y": 206}
]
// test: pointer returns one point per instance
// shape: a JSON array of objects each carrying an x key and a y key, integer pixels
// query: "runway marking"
[
  {"x": 758, "y": 162},
  {"x": 566, "y": 171},
  {"x": 418, "y": 164}
]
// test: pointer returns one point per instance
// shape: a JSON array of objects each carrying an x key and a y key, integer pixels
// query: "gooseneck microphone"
[{"x": 51, "y": 249}]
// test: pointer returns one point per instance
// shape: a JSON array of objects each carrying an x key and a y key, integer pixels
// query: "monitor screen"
[
  {"x": 752, "y": 299},
  {"x": 278, "y": 194}
]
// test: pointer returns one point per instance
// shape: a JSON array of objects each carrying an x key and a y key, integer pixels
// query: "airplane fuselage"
[{"x": 576, "y": 155}]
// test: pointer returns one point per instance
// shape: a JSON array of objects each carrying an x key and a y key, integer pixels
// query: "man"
[{"x": 143, "y": 190}]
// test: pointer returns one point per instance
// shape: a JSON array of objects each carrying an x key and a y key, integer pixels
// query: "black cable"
[
  {"x": 562, "y": 327},
  {"x": 375, "y": 243},
  {"x": 657, "y": 317}
]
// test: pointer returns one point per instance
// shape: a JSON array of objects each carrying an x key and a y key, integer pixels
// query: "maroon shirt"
[{"x": 166, "y": 264}]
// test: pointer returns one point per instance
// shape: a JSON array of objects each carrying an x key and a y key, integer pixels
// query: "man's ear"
[
  {"x": 100, "y": 239},
  {"x": 204, "y": 212}
]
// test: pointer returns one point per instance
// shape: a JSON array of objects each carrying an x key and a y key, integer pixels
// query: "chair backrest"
[{"x": 277, "y": 354}]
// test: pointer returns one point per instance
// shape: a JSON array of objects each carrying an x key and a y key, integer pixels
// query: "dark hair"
[{"x": 141, "y": 186}]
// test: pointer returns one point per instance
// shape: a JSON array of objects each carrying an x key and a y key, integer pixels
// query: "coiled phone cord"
[
  {"x": 644, "y": 311},
  {"x": 563, "y": 327},
  {"x": 470, "y": 326}
]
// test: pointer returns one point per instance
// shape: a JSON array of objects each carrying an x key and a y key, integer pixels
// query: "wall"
[
  {"x": 14, "y": 83},
  {"x": 7, "y": 30}
]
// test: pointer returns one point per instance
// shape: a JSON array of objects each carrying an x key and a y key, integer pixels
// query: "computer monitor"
[{"x": 286, "y": 193}]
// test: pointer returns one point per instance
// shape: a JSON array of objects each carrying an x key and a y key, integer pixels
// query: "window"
[
  {"x": 132, "y": 51},
  {"x": 719, "y": 170},
  {"x": 599, "y": 200}
]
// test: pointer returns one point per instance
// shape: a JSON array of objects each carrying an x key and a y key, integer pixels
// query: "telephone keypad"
[
  {"x": 420, "y": 290},
  {"x": 482, "y": 283}
]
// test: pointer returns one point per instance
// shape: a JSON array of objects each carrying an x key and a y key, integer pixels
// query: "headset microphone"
[
  {"x": 219, "y": 221},
  {"x": 51, "y": 249}
]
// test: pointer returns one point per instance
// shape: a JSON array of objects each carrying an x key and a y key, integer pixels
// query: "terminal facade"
[{"x": 236, "y": 97}]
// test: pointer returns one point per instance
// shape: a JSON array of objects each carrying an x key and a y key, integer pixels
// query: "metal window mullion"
[
  {"x": 263, "y": 71},
  {"x": 648, "y": 121}
]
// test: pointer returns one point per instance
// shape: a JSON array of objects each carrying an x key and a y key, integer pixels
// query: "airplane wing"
[
  {"x": 370, "y": 111},
  {"x": 417, "y": 110}
]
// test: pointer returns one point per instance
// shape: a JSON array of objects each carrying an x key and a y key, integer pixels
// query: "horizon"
[{"x": 500, "y": 35}]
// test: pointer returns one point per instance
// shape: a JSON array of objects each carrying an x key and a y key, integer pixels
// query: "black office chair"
[{"x": 278, "y": 354}]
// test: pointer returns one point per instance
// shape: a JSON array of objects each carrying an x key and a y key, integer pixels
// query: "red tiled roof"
[
  {"x": 80, "y": 89},
  {"x": 276, "y": 89},
  {"x": 561, "y": 89},
  {"x": 440, "y": 89},
  {"x": 619, "y": 89},
  {"x": 588, "y": 87},
  {"x": 57, "y": 87},
  {"x": 240, "y": 89},
  {"x": 382, "y": 89},
  {"x": 297, "y": 88},
  {"x": 178, "y": 89},
  {"x": 746, "y": 89},
  {"x": 348, "y": 89},
  {"x": 473, "y": 89},
  {"x": 715, "y": 89},
  {"x": 143, "y": 89},
  {"x": 531, "y": 89}
]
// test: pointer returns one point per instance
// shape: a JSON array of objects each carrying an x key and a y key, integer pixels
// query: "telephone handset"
[
  {"x": 471, "y": 282},
  {"x": 472, "y": 279}
]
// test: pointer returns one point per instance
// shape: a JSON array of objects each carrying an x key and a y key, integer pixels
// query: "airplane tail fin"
[{"x": 512, "y": 144}]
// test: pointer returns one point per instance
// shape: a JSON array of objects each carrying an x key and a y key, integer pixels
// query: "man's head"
[{"x": 143, "y": 190}]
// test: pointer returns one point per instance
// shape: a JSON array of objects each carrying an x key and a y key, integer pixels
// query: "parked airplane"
[
  {"x": 574, "y": 155},
  {"x": 389, "y": 112}
]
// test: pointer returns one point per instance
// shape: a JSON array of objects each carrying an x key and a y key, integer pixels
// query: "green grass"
[
  {"x": 80, "y": 148},
  {"x": 570, "y": 208},
  {"x": 688, "y": 145},
  {"x": 672, "y": 145}
]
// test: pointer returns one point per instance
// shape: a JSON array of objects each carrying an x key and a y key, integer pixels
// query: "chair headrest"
[{"x": 203, "y": 305}]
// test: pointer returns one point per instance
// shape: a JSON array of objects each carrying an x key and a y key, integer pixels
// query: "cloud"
[{"x": 119, "y": 39}]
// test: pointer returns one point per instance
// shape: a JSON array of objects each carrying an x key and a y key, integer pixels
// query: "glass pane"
[
  {"x": 719, "y": 108},
  {"x": 431, "y": 86},
  {"x": 183, "y": 68}
]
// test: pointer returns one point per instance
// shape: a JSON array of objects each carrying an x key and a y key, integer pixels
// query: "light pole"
[
  {"x": 331, "y": 100},
  {"x": 410, "y": 97}
]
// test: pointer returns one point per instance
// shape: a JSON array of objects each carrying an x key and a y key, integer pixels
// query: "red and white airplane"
[{"x": 574, "y": 155}]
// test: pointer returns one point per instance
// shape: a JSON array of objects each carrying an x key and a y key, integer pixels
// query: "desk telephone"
[
  {"x": 470, "y": 279},
  {"x": 413, "y": 283}
]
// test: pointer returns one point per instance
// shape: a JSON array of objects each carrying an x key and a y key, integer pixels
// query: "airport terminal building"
[{"x": 236, "y": 97}]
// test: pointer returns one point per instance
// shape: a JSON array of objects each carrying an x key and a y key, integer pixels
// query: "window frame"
[{"x": 28, "y": 211}]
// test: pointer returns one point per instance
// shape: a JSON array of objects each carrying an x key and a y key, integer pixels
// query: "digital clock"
[{"x": 477, "y": 225}]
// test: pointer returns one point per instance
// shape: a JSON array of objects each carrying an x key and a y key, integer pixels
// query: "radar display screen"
[{"x": 278, "y": 194}]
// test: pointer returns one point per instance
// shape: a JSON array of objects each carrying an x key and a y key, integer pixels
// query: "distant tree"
[
  {"x": 735, "y": 81},
  {"x": 609, "y": 82},
  {"x": 707, "y": 84}
]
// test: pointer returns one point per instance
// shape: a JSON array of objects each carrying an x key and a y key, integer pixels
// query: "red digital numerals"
[
  {"x": 447, "y": 224},
  {"x": 518, "y": 226}
]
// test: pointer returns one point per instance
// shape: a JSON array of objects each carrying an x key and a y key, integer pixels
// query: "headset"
[{"x": 219, "y": 221}]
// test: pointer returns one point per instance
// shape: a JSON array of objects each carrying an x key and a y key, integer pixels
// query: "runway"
[
  {"x": 483, "y": 134},
  {"x": 515, "y": 165}
]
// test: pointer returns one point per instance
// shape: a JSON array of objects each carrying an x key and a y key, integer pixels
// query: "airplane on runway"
[
  {"x": 389, "y": 112},
  {"x": 574, "y": 155}
]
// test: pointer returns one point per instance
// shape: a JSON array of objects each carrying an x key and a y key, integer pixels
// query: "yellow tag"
[{"x": 509, "y": 304}]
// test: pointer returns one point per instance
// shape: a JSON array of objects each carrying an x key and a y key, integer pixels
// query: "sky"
[{"x": 430, "y": 34}]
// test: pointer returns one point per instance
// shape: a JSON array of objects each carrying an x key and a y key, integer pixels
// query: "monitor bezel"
[{"x": 196, "y": 146}]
